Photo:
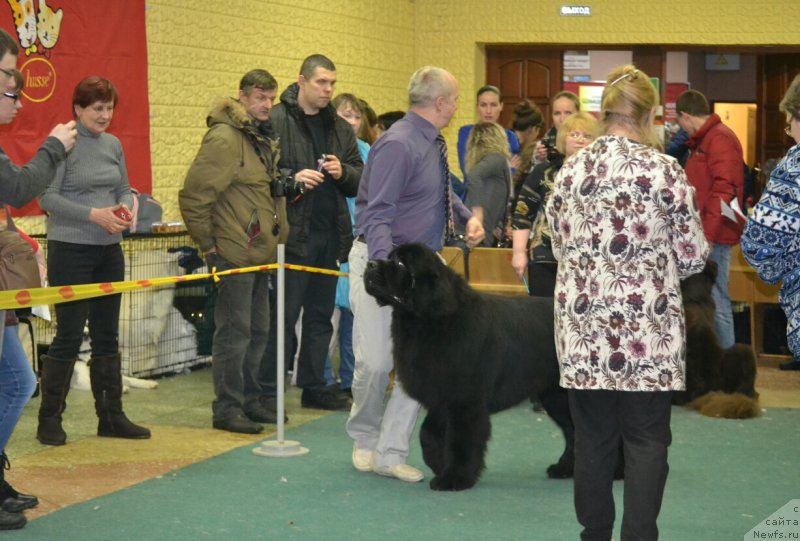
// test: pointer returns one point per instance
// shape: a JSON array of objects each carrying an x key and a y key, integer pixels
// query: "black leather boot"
[
  {"x": 106, "y": 377},
  {"x": 56, "y": 375},
  {"x": 11, "y": 500},
  {"x": 12, "y": 521}
]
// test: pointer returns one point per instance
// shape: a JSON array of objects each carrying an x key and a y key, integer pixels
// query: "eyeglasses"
[
  {"x": 9, "y": 74},
  {"x": 12, "y": 96},
  {"x": 576, "y": 136}
]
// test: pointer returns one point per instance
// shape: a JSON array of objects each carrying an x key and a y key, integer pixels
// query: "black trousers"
[
  {"x": 642, "y": 421},
  {"x": 71, "y": 264},
  {"x": 542, "y": 278},
  {"x": 315, "y": 294}
]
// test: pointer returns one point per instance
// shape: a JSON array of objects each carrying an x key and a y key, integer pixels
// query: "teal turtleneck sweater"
[{"x": 93, "y": 176}]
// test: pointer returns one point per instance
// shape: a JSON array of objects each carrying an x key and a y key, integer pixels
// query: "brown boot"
[
  {"x": 56, "y": 375},
  {"x": 106, "y": 378}
]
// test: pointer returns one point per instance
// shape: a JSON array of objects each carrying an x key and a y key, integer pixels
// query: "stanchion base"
[{"x": 280, "y": 449}]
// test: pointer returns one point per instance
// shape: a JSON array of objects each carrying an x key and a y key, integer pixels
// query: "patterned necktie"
[{"x": 448, "y": 189}]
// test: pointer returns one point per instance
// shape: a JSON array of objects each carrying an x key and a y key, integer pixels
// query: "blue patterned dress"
[{"x": 771, "y": 239}]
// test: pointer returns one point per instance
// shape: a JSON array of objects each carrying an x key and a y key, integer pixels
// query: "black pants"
[
  {"x": 315, "y": 294},
  {"x": 69, "y": 264},
  {"x": 642, "y": 420},
  {"x": 542, "y": 278}
]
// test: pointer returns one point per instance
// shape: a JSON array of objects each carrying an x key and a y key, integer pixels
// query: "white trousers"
[{"x": 385, "y": 430}]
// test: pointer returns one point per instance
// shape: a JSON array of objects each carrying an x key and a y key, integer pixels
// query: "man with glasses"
[
  {"x": 715, "y": 169},
  {"x": 229, "y": 210},
  {"x": 18, "y": 185}
]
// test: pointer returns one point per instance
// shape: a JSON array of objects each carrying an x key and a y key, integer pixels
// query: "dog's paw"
[
  {"x": 138, "y": 383},
  {"x": 450, "y": 483},
  {"x": 559, "y": 471}
]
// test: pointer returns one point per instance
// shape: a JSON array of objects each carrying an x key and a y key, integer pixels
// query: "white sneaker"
[
  {"x": 362, "y": 458},
  {"x": 404, "y": 472}
]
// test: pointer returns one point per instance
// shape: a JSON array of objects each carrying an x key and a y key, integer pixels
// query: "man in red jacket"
[{"x": 715, "y": 169}]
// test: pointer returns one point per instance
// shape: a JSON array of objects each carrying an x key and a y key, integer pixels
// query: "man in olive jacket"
[
  {"x": 319, "y": 149},
  {"x": 230, "y": 213}
]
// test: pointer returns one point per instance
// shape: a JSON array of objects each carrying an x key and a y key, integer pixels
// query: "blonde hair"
[
  {"x": 628, "y": 101},
  {"x": 576, "y": 121},
  {"x": 790, "y": 104},
  {"x": 485, "y": 138}
]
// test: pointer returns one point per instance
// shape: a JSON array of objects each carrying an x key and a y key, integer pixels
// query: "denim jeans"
[
  {"x": 723, "y": 317},
  {"x": 17, "y": 383},
  {"x": 69, "y": 263}
]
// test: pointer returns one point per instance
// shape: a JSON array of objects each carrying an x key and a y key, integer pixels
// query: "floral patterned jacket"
[
  {"x": 625, "y": 229},
  {"x": 771, "y": 240}
]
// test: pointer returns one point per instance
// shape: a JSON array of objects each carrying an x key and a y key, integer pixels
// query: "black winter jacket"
[{"x": 297, "y": 153}]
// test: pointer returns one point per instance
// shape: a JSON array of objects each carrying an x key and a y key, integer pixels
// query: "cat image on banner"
[{"x": 46, "y": 27}]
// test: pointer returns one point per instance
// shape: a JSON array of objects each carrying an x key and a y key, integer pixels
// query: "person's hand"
[
  {"x": 310, "y": 178},
  {"x": 515, "y": 161},
  {"x": 105, "y": 218},
  {"x": 519, "y": 260},
  {"x": 211, "y": 258},
  {"x": 540, "y": 154},
  {"x": 333, "y": 166},
  {"x": 474, "y": 232},
  {"x": 66, "y": 133}
]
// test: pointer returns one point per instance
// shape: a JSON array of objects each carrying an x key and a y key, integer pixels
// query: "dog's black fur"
[
  {"x": 465, "y": 355},
  {"x": 719, "y": 383}
]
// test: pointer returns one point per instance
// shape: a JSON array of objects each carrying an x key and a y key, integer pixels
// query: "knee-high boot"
[
  {"x": 56, "y": 375},
  {"x": 106, "y": 377}
]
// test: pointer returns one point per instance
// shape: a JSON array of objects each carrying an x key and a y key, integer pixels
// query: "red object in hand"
[{"x": 123, "y": 214}]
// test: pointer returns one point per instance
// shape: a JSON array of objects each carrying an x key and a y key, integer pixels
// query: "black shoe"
[
  {"x": 271, "y": 404},
  {"x": 260, "y": 414},
  {"x": 323, "y": 399},
  {"x": 347, "y": 392},
  {"x": 790, "y": 365},
  {"x": 238, "y": 423},
  {"x": 12, "y": 521},
  {"x": 15, "y": 502}
]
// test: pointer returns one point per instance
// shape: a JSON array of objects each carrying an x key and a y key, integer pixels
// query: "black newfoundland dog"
[
  {"x": 465, "y": 355},
  {"x": 719, "y": 382}
]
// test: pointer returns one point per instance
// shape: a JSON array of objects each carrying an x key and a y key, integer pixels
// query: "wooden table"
[
  {"x": 491, "y": 271},
  {"x": 745, "y": 286}
]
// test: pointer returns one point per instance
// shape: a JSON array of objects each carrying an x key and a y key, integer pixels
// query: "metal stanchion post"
[{"x": 279, "y": 447}]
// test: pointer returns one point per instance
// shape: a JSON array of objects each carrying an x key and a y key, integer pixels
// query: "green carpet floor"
[{"x": 726, "y": 476}]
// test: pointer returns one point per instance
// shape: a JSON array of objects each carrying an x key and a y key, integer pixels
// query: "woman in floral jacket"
[
  {"x": 771, "y": 238},
  {"x": 625, "y": 229}
]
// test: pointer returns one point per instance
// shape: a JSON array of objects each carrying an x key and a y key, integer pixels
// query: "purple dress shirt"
[{"x": 401, "y": 194}]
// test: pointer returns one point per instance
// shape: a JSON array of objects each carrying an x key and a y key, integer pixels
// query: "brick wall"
[{"x": 198, "y": 50}]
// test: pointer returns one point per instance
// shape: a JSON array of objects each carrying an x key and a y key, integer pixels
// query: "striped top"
[{"x": 93, "y": 176}]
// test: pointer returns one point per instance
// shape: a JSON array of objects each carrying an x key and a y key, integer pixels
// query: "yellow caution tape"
[{"x": 23, "y": 298}]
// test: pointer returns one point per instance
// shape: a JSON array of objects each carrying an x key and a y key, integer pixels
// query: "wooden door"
[
  {"x": 776, "y": 72},
  {"x": 524, "y": 73}
]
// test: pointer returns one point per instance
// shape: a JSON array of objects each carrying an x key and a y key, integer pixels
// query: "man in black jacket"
[{"x": 319, "y": 149}]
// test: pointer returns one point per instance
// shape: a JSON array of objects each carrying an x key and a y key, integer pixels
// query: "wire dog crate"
[{"x": 158, "y": 327}]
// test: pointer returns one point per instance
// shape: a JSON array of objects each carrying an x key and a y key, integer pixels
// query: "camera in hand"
[
  {"x": 287, "y": 186},
  {"x": 549, "y": 142}
]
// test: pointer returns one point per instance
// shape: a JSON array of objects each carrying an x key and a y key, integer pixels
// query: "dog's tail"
[{"x": 726, "y": 405}]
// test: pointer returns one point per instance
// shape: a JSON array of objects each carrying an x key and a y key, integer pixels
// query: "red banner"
[{"x": 63, "y": 41}]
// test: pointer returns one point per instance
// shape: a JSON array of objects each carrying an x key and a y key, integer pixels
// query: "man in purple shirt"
[{"x": 401, "y": 199}]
